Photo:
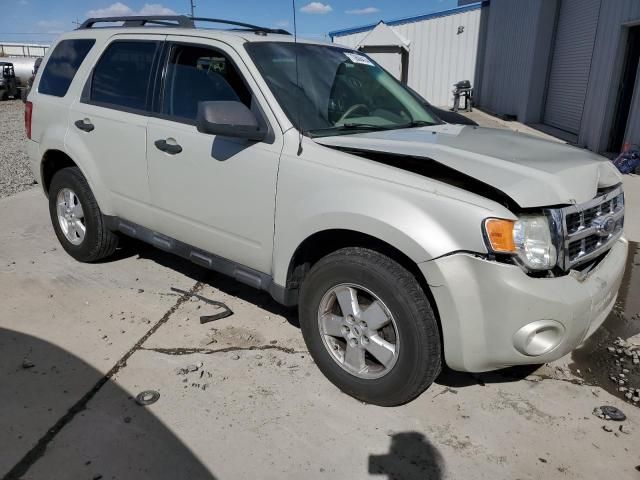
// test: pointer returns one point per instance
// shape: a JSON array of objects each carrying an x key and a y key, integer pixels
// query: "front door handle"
[
  {"x": 85, "y": 125},
  {"x": 170, "y": 148}
]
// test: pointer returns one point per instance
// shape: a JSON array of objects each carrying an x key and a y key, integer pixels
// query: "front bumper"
[{"x": 488, "y": 309}]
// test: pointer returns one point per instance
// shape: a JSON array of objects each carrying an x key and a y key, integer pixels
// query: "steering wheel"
[{"x": 352, "y": 109}]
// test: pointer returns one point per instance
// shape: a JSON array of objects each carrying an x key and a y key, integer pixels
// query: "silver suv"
[{"x": 306, "y": 170}]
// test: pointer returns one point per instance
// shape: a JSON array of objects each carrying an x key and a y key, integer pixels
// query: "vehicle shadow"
[
  {"x": 59, "y": 414},
  {"x": 228, "y": 285},
  {"x": 454, "y": 379},
  {"x": 411, "y": 456}
]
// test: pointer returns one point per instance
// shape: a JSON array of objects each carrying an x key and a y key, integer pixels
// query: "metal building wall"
[
  {"x": 604, "y": 80},
  {"x": 438, "y": 55},
  {"x": 518, "y": 45}
]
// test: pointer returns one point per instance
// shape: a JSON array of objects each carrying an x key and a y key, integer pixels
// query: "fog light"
[{"x": 538, "y": 338}]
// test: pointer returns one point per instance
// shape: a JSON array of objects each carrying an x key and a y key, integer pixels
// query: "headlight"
[{"x": 529, "y": 238}]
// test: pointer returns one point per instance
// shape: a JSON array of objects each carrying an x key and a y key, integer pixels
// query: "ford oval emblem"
[{"x": 605, "y": 225}]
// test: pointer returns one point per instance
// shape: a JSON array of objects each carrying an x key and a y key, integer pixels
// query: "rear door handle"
[
  {"x": 170, "y": 148},
  {"x": 85, "y": 125}
]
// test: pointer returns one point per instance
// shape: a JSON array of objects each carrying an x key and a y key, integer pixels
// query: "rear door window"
[
  {"x": 62, "y": 66},
  {"x": 122, "y": 76}
]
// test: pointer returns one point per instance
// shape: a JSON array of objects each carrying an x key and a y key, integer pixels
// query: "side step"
[{"x": 239, "y": 272}]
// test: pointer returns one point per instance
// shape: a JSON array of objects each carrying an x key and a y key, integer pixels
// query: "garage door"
[{"x": 571, "y": 62}]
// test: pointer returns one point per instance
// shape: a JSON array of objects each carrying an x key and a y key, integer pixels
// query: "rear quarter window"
[{"x": 62, "y": 66}]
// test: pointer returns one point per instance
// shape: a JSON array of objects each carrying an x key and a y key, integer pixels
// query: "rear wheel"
[
  {"x": 76, "y": 217},
  {"x": 369, "y": 327}
]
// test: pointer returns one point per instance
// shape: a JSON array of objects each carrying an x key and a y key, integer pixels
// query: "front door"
[{"x": 212, "y": 192}]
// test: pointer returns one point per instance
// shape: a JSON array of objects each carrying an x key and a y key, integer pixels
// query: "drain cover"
[{"x": 147, "y": 397}]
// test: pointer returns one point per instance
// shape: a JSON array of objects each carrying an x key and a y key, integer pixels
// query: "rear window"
[
  {"x": 122, "y": 75},
  {"x": 62, "y": 66}
]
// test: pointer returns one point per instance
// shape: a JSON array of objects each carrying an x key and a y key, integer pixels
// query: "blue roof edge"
[{"x": 415, "y": 18}]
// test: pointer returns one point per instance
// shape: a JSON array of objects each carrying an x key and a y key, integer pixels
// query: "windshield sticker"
[{"x": 361, "y": 59}]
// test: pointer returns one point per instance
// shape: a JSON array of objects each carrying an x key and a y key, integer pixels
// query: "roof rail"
[
  {"x": 246, "y": 26},
  {"x": 180, "y": 21},
  {"x": 140, "y": 21}
]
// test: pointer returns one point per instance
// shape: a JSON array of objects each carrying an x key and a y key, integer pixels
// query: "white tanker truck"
[{"x": 16, "y": 75}]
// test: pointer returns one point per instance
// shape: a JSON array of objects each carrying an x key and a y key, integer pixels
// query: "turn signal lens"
[
  {"x": 500, "y": 235},
  {"x": 529, "y": 237}
]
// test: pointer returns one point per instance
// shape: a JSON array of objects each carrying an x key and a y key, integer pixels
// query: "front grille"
[{"x": 583, "y": 232}]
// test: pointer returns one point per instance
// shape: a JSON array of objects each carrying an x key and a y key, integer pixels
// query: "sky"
[{"x": 41, "y": 21}]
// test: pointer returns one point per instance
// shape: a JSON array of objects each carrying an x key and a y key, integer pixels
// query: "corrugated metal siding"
[
  {"x": 571, "y": 63},
  {"x": 606, "y": 66},
  {"x": 511, "y": 37},
  {"x": 438, "y": 55}
]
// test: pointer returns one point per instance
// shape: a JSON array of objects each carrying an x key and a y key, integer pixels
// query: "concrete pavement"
[{"x": 257, "y": 407}]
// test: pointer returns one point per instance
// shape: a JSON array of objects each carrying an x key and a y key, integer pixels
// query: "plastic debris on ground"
[{"x": 628, "y": 162}]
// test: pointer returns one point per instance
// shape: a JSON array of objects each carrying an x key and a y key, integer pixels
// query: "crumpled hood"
[{"x": 532, "y": 171}]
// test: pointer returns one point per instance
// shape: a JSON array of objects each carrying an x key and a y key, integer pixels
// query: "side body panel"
[{"x": 324, "y": 189}]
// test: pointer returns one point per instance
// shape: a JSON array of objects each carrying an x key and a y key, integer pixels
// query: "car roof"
[{"x": 229, "y": 36}]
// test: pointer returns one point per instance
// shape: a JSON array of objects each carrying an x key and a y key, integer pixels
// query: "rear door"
[
  {"x": 110, "y": 121},
  {"x": 217, "y": 193}
]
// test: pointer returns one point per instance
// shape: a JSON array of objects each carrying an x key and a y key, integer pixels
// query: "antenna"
[
  {"x": 193, "y": 6},
  {"x": 295, "y": 46}
]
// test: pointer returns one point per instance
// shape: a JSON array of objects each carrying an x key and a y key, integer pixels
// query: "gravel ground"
[{"x": 15, "y": 174}]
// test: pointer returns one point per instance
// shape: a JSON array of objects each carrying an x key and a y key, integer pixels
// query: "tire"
[
  {"x": 97, "y": 241},
  {"x": 417, "y": 357}
]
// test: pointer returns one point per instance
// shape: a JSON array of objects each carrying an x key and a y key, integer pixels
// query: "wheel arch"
[
  {"x": 54, "y": 159},
  {"x": 324, "y": 242}
]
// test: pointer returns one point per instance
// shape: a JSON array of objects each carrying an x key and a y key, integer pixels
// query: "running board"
[{"x": 241, "y": 273}]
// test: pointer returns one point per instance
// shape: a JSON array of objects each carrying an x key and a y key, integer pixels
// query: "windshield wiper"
[
  {"x": 414, "y": 124},
  {"x": 347, "y": 127}
]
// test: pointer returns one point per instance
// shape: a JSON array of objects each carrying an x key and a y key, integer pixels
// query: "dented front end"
[{"x": 494, "y": 315}]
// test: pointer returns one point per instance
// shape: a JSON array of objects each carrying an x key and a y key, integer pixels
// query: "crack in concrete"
[
  {"x": 575, "y": 381},
  {"x": 209, "y": 351},
  {"x": 33, "y": 455}
]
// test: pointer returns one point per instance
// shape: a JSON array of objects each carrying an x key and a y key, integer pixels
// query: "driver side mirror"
[{"x": 229, "y": 119}]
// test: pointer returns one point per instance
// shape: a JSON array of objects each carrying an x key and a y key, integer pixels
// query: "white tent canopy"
[
  {"x": 388, "y": 48},
  {"x": 384, "y": 36}
]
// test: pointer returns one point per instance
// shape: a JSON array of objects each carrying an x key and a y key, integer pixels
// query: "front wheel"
[{"x": 369, "y": 327}]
